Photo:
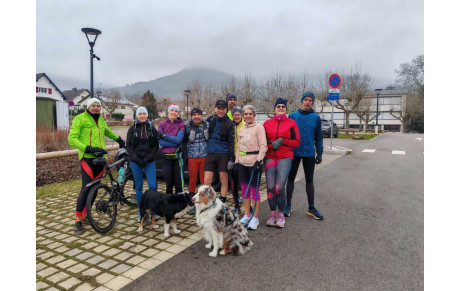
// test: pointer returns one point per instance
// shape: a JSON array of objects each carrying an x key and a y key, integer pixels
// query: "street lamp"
[
  {"x": 187, "y": 92},
  {"x": 96, "y": 32},
  {"x": 377, "y": 91}
]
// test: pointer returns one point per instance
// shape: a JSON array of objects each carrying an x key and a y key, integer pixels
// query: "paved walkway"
[
  {"x": 103, "y": 261},
  {"x": 94, "y": 261}
]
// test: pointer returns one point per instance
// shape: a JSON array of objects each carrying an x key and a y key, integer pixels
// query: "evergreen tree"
[{"x": 149, "y": 102}]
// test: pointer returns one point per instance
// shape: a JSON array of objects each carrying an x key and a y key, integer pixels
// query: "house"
[
  {"x": 51, "y": 104},
  {"x": 76, "y": 95},
  {"x": 121, "y": 105}
]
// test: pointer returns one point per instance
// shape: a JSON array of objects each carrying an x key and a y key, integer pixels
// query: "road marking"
[
  {"x": 419, "y": 138},
  {"x": 369, "y": 151},
  {"x": 398, "y": 152}
]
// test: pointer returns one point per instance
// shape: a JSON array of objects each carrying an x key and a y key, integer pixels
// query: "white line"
[
  {"x": 398, "y": 152},
  {"x": 369, "y": 151}
]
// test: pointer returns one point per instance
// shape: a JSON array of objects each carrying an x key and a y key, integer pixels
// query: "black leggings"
[
  {"x": 233, "y": 174},
  {"x": 89, "y": 172},
  {"x": 172, "y": 172},
  {"x": 308, "y": 164}
]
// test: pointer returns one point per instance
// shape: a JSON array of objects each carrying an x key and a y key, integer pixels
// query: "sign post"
[
  {"x": 71, "y": 104},
  {"x": 334, "y": 94}
]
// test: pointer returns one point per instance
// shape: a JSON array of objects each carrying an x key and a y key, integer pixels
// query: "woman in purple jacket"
[{"x": 171, "y": 133}]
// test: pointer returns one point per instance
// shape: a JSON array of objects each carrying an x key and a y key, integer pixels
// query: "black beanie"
[
  {"x": 196, "y": 110},
  {"x": 281, "y": 101}
]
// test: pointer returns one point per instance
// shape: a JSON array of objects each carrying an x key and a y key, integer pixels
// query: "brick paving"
[{"x": 94, "y": 261}]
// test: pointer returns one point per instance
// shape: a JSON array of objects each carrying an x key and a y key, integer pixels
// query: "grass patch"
[
  {"x": 366, "y": 136},
  {"x": 56, "y": 189},
  {"x": 73, "y": 245},
  {"x": 117, "y": 244},
  {"x": 90, "y": 280}
]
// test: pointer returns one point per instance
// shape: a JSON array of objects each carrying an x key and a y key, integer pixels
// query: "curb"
[{"x": 337, "y": 150}]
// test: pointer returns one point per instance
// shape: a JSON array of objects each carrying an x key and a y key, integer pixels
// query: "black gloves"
[
  {"x": 319, "y": 158},
  {"x": 258, "y": 166},
  {"x": 161, "y": 135},
  {"x": 121, "y": 142},
  {"x": 277, "y": 143},
  {"x": 91, "y": 150}
]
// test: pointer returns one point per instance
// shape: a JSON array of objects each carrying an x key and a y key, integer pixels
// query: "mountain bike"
[{"x": 103, "y": 199}]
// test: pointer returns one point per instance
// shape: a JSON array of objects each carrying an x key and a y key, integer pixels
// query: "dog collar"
[{"x": 214, "y": 202}]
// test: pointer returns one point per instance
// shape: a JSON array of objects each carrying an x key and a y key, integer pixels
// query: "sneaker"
[
  {"x": 271, "y": 219},
  {"x": 223, "y": 199},
  {"x": 192, "y": 211},
  {"x": 287, "y": 210},
  {"x": 312, "y": 211},
  {"x": 245, "y": 219},
  {"x": 253, "y": 223},
  {"x": 78, "y": 228},
  {"x": 280, "y": 221}
]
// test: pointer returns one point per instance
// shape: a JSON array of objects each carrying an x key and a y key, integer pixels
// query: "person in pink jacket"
[{"x": 250, "y": 151}]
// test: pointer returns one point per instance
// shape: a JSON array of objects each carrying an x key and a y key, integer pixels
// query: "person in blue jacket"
[{"x": 311, "y": 138}]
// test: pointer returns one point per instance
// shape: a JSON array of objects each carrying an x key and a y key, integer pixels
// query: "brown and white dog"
[{"x": 222, "y": 228}]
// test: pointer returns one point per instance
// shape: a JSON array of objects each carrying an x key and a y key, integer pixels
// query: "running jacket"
[
  {"x": 281, "y": 127},
  {"x": 311, "y": 137},
  {"x": 142, "y": 142},
  {"x": 174, "y": 131},
  {"x": 197, "y": 148},
  {"x": 221, "y": 136},
  {"x": 252, "y": 144},
  {"x": 86, "y": 132}
]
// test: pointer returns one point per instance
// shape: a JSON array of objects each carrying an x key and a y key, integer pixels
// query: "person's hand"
[
  {"x": 121, "y": 142},
  {"x": 230, "y": 165},
  {"x": 93, "y": 150},
  {"x": 319, "y": 158},
  {"x": 277, "y": 143},
  {"x": 258, "y": 166},
  {"x": 161, "y": 135}
]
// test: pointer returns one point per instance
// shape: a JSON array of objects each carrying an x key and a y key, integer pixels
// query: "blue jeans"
[{"x": 150, "y": 173}]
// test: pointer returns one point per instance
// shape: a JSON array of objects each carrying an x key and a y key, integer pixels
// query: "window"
[
  {"x": 122, "y": 107},
  {"x": 84, "y": 107}
]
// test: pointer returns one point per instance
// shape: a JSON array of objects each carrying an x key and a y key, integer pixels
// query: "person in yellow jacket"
[
  {"x": 239, "y": 123},
  {"x": 87, "y": 134}
]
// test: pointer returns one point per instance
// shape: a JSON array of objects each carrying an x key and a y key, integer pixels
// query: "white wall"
[
  {"x": 62, "y": 115},
  {"x": 43, "y": 82}
]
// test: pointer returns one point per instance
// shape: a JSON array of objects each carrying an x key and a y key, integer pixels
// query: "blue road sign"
[{"x": 333, "y": 96}]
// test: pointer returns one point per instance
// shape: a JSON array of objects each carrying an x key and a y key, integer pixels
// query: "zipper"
[
  {"x": 276, "y": 136},
  {"x": 90, "y": 136}
]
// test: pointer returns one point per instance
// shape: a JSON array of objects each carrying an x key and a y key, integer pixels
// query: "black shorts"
[{"x": 216, "y": 162}]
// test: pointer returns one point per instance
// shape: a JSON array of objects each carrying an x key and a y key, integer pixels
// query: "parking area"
[{"x": 93, "y": 261}]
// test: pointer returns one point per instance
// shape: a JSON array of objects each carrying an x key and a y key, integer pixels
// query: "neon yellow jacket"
[
  {"x": 85, "y": 132},
  {"x": 237, "y": 132}
]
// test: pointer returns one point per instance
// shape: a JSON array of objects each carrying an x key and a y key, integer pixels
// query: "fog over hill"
[{"x": 174, "y": 85}]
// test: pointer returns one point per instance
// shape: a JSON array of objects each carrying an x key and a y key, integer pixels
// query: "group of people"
[{"x": 229, "y": 143}]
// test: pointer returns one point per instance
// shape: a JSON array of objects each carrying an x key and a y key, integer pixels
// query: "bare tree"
[
  {"x": 248, "y": 92},
  {"x": 355, "y": 85},
  {"x": 112, "y": 101},
  {"x": 411, "y": 107},
  {"x": 363, "y": 111}
]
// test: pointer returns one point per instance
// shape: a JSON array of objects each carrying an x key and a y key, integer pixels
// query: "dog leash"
[
  {"x": 208, "y": 207},
  {"x": 234, "y": 217}
]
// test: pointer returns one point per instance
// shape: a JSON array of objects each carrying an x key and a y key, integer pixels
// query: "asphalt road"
[{"x": 371, "y": 237}]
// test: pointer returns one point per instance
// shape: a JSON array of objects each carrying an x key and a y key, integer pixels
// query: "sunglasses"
[{"x": 280, "y": 106}]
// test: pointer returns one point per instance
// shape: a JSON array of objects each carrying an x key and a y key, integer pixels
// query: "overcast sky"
[{"x": 144, "y": 40}]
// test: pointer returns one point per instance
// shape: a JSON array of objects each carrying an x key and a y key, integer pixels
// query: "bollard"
[{"x": 376, "y": 129}]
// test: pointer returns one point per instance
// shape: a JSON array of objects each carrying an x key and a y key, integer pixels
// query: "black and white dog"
[
  {"x": 222, "y": 228},
  {"x": 171, "y": 206}
]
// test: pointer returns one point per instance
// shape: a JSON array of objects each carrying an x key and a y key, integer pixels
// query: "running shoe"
[
  {"x": 253, "y": 223},
  {"x": 280, "y": 221},
  {"x": 245, "y": 219},
  {"x": 312, "y": 211},
  {"x": 287, "y": 210},
  {"x": 271, "y": 219},
  {"x": 78, "y": 228}
]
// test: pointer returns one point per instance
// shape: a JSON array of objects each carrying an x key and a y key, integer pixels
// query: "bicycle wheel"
[
  {"x": 101, "y": 209},
  {"x": 129, "y": 190}
]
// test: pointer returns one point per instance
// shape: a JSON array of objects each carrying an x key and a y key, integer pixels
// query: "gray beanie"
[{"x": 141, "y": 109}]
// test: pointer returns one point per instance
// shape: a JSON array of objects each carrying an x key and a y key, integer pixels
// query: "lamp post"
[
  {"x": 96, "y": 32},
  {"x": 187, "y": 92},
  {"x": 377, "y": 91}
]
